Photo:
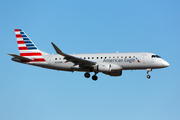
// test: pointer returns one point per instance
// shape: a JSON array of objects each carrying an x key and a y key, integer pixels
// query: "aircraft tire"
[
  {"x": 87, "y": 75},
  {"x": 148, "y": 76},
  {"x": 94, "y": 77}
]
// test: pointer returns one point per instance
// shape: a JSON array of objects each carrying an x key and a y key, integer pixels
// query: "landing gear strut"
[
  {"x": 94, "y": 77},
  {"x": 148, "y": 71}
]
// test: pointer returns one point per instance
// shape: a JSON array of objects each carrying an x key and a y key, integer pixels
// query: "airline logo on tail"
[{"x": 27, "y": 48}]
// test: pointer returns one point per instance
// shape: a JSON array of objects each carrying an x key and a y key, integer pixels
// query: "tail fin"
[{"x": 27, "y": 48}]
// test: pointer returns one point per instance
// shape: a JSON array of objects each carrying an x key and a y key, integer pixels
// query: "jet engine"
[
  {"x": 108, "y": 67},
  {"x": 104, "y": 68},
  {"x": 116, "y": 73}
]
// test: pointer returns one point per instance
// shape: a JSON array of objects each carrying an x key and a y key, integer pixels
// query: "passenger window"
[
  {"x": 97, "y": 57},
  {"x": 105, "y": 57},
  {"x": 101, "y": 57},
  {"x": 117, "y": 56},
  {"x": 109, "y": 57},
  {"x": 84, "y": 57},
  {"x": 133, "y": 56},
  {"x": 113, "y": 57},
  {"x": 88, "y": 57},
  {"x": 125, "y": 56},
  {"x": 129, "y": 56},
  {"x": 55, "y": 58},
  {"x": 121, "y": 56},
  {"x": 59, "y": 58},
  {"x": 92, "y": 57}
]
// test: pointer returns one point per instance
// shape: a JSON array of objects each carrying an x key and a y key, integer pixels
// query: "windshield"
[{"x": 155, "y": 56}]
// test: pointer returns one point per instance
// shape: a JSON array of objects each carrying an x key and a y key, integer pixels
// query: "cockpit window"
[{"x": 155, "y": 56}]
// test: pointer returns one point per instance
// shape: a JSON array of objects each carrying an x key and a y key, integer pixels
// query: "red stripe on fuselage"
[
  {"x": 38, "y": 60},
  {"x": 30, "y": 54}
]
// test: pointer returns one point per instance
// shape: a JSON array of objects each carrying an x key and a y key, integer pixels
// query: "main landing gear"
[
  {"x": 87, "y": 75},
  {"x": 148, "y": 71},
  {"x": 94, "y": 77}
]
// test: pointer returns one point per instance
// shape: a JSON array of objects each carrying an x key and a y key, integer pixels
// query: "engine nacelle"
[
  {"x": 108, "y": 67},
  {"x": 116, "y": 73},
  {"x": 104, "y": 68}
]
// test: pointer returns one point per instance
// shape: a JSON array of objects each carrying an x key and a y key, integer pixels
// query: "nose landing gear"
[
  {"x": 148, "y": 71},
  {"x": 148, "y": 76}
]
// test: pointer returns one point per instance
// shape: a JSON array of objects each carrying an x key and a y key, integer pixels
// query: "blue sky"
[{"x": 95, "y": 26}]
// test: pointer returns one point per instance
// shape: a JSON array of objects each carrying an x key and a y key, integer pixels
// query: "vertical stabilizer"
[{"x": 27, "y": 48}]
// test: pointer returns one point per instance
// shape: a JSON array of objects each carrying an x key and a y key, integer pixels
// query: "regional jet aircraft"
[{"x": 108, "y": 63}]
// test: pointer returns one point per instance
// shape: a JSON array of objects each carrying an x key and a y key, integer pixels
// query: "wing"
[{"x": 75, "y": 60}]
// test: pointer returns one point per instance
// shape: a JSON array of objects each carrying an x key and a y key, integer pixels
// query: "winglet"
[
  {"x": 58, "y": 51},
  {"x": 73, "y": 59}
]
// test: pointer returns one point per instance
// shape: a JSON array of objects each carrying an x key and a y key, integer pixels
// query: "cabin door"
[{"x": 143, "y": 58}]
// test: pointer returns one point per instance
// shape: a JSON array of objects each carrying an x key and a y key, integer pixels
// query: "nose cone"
[{"x": 165, "y": 63}]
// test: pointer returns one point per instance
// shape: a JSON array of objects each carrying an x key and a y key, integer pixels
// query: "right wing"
[{"x": 75, "y": 60}]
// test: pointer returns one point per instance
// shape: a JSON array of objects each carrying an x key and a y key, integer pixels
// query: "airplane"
[{"x": 108, "y": 63}]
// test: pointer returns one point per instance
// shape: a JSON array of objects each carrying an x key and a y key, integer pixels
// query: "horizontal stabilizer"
[{"x": 20, "y": 57}]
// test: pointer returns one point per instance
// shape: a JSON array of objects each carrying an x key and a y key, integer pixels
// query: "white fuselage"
[
  {"x": 108, "y": 63},
  {"x": 127, "y": 61}
]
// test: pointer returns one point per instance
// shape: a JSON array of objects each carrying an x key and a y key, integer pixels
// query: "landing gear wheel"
[
  {"x": 87, "y": 75},
  {"x": 94, "y": 77},
  {"x": 148, "y": 71},
  {"x": 148, "y": 76}
]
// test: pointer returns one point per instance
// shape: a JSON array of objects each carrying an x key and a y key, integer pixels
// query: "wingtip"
[
  {"x": 57, "y": 49},
  {"x": 53, "y": 44},
  {"x": 9, "y": 53}
]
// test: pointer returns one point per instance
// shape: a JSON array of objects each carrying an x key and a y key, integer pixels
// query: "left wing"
[{"x": 75, "y": 60}]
